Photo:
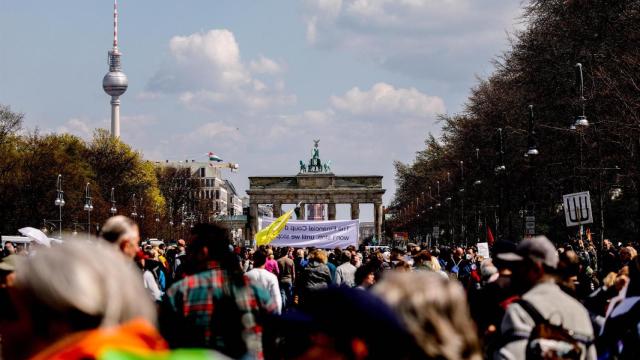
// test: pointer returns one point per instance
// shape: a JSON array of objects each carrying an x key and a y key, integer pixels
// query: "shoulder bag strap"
[{"x": 531, "y": 310}]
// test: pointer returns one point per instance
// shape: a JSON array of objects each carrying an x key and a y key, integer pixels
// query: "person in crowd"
[
  {"x": 620, "y": 337},
  {"x": 345, "y": 273},
  {"x": 260, "y": 276},
  {"x": 162, "y": 251},
  {"x": 365, "y": 276},
  {"x": 402, "y": 266},
  {"x": 376, "y": 262},
  {"x": 488, "y": 272},
  {"x": 272, "y": 264},
  {"x": 300, "y": 262},
  {"x": 286, "y": 277},
  {"x": 343, "y": 323},
  {"x": 627, "y": 254},
  {"x": 331, "y": 260},
  {"x": 455, "y": 262},
  {"x": 9, "y": 249},
  {"x": 7, "y": 281},
  {"x": 247, "y": 260},
  {"x": 567, "y": 272},
  {"x": 608, "y": 258},
  {"x": 336, "y": 257},
  {"x": 468, "y": 269},
  {"x": 70, "y": 306},
  {"x": 488, "y": 304},
  {"x": 397, "y": 255},
  {"x": 352, "y": 249},
  {"x": 215, "y": 306},
  {"x": 422, "y": 261},
  {"x": 122, "y": 232},
  {"x": 537, "y": 260},
  {"x": 315, "y": 275},
  {"x": 434, "y": 311},
  {"x": 8, "y": 271},
  {"x": 144, "y": 260}
]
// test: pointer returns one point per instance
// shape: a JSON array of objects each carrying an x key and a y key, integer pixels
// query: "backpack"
[{"x": 550, "y": 341}]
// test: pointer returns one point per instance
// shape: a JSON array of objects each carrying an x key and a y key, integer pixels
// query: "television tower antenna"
[{"x": 115, "y": 82}]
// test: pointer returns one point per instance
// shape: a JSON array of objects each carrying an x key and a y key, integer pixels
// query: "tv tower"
[{"x": 115, "y": 83}]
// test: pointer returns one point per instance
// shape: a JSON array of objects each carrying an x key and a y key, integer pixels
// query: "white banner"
[
  {"x": 483, "y": 250},
  {"x": 320, "y": 234}
]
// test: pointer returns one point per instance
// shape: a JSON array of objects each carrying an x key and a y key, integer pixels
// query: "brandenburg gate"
[{"x": 316, "y": 184}]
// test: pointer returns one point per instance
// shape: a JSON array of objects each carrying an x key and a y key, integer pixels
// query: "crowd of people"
[{"x": 203, "y": 298}]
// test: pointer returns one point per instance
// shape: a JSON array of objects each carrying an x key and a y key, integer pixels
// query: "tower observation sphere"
[{"x": 115, "y": 82}]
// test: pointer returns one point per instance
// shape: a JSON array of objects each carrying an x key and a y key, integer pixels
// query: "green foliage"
[{"x": 31, "y": 164}]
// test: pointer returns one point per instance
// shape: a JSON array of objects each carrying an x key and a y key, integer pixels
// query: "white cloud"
[
  {"x": 206, "y": 72},
  {"x": 265, "y": 66},
  {"x": 82, "y": 128},
  {"x": 428, "y": 38},
  {"x": 384, "y": 99}
]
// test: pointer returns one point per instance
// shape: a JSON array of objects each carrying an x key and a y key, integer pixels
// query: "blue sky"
[{"x": 255, "y": 81}]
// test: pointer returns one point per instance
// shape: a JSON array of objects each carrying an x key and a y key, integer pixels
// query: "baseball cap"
[{"x": 537, "y": 248}]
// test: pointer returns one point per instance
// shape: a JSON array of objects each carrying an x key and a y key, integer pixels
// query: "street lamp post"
[
  {"x": 113, "y": 209},
  {"x": 88, "y": 207},
  {"x": 170, "y": 220},
  {"x": 581, "y": 122},
  {"x": 134, "y": 213},
  {"x": 59, "y": 203},
  {"x": 157, "y": 220},
  {"x": 461, "y": 191},
  {"x": 532, "y": 152}
]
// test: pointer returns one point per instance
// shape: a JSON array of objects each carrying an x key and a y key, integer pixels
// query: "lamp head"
[{"x": 581, "y": 122}]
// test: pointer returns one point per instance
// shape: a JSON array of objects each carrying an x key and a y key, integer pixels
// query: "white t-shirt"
[
  {"x": 269, "y": 281},
  {"x": 151, "y": 284}
]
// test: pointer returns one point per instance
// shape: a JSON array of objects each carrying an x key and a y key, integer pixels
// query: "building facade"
[{"x": 218, "y": 193}]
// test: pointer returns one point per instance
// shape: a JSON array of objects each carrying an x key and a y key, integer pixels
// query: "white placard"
[
  {"x": 483, "y": 249},
  {"x": 329, "y": 234},
  {"x": 577, "y": 208}
]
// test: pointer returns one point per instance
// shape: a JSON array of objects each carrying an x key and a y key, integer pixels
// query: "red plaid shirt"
[{"x": 222, "y": 311}]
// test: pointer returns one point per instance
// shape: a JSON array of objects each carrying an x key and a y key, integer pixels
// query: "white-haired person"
[
  {"x": 76, "y": 301},
  {"x": 434, "y": 310},
  {"x": 122, "y": 232}
]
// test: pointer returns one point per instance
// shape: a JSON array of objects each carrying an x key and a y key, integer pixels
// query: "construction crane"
[{"x": 225, "y": 165}]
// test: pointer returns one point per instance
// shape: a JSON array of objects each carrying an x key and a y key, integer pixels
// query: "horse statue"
[
  {"x": 303, "y": 168},
  {"x": 327, "y": 166}
]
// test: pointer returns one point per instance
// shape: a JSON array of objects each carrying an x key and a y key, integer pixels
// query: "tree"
[
  {"x": 540, "y": 69},
  {"x": 117, "y": 166}
]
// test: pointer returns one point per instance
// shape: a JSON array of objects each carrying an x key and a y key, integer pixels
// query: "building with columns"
[{"x": 316, "y": 185}]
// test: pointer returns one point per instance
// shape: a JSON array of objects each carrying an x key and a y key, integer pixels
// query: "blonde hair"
[
  {"x": 86, "y": 277},
  {"x": 435, "y": 312},
  {"x": 318, "y": 255},
  {"x": 435, "y": 264}
]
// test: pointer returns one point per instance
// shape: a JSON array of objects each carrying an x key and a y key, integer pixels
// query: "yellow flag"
[{"x": 266, "y": 235}]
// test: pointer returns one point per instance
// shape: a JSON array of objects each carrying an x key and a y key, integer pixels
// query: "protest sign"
[{"x": 320, "y": 234}]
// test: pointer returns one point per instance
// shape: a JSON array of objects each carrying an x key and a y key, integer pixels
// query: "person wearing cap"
[{"x": 536, "y": 260}]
